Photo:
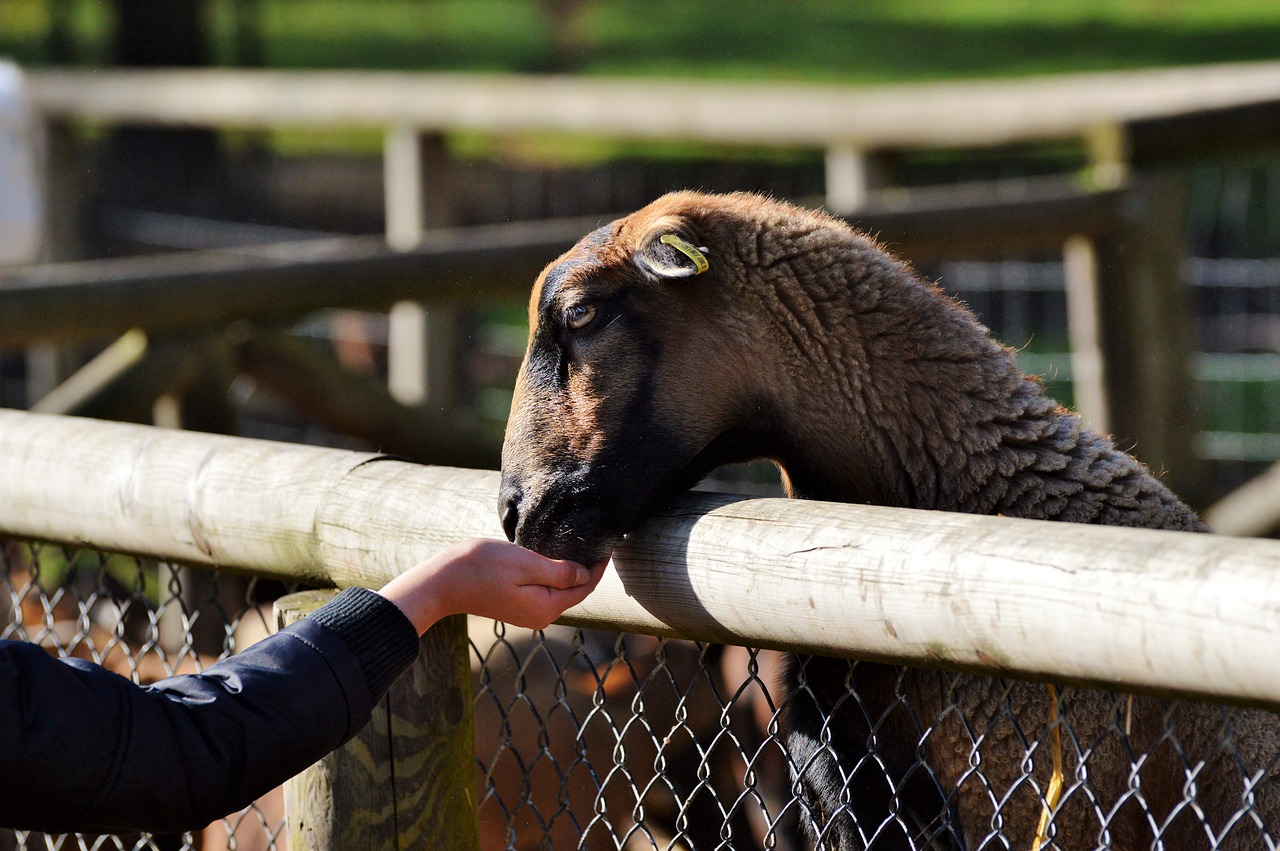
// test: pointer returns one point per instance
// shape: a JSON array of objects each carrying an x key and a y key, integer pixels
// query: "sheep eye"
[{"x": 579, "y": 316}]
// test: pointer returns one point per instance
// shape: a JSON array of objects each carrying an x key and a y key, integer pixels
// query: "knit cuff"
[{"x": 377, "y": 633}]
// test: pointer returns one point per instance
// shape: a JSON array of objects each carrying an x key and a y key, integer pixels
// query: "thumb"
[
  {"x": 568, "y": 575},
  {"x": 573, "y": 595}
]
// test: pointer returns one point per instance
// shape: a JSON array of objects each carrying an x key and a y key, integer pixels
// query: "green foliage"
[
  {"x": 464, "y": 35},
  {"x": 883, "y": 41},
  {"x": 871, "y": 40}
]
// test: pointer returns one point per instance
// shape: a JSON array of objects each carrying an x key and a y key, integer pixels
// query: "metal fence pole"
[{"x": 407, "y": 780}]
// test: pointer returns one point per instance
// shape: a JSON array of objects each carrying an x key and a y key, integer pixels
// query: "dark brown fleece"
[{"x": 807, "y": 343}]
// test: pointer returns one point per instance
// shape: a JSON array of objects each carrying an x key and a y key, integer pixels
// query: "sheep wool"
[{"x": 803, "y": 341}]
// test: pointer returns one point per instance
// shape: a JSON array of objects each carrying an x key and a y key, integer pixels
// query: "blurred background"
[
  {"x": 318, "y": 221},
  {"x": 1184, "y": 368}
]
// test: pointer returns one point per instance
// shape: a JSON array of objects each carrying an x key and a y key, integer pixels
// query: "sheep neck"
[{"x": 920, "y": 407}]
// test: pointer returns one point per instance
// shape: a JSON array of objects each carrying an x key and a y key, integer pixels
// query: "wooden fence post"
[
  {"x": 407, "y": 780},
  {"x": 1147, "y": 333},
  {"x": 847, "y": 178},
  {"x": 1088, "y": 367},
  {"x": 423, "y": 345}
]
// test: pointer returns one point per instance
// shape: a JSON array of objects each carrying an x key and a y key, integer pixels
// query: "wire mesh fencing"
[
  {"x": 145, "y": 621},
  {"x": 601, "y": 740}
]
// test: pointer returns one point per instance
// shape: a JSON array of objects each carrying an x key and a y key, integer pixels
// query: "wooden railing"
[
  {"x": 849, "y": 123},
  {"x": 1142, "y": 609},
  {"x": 1164, "y": 612}
]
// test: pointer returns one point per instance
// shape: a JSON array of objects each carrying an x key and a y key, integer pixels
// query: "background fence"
[
  {"x": 669, "y": 734},
  {"x": 610, "y": 740}
]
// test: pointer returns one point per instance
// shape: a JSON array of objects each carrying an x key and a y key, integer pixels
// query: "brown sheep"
[{"x": 703, "y": 330}]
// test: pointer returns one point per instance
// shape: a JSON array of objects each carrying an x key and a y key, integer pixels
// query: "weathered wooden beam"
[
  {"x": 405, "y": 781},
  {"x": 987, "y": 220},
  {"x": 422, "y": 345},
  {"x": 1110, "y": 606},
  {"x": 124, "y": 380},
  {"x": 1084, "y": 326},
  {"x": 95, "y": 376},
  {"x": 88, "y": 300},
  {"x": 847, "y": 178},
  {"x": 1251, "y": 509},
  {"x": 1227, "y": 131},
  {"x": 77, "y": 301}
]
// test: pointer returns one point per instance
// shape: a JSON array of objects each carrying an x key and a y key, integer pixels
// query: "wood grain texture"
[
  {"x": 1102, "y": 605},
  {"x": 407, "y": 780}
]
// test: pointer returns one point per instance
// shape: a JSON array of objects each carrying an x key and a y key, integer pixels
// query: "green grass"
[{"x": 866, "y": 41}]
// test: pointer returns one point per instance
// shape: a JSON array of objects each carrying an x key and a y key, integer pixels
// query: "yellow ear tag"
[{"x": 699, "y": 259}]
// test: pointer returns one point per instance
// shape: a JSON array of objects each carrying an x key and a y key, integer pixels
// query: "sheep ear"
[{"x": 672, "y": 256}]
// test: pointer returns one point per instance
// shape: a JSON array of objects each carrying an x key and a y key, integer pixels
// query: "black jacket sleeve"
[{"x": 85, "y": 750}]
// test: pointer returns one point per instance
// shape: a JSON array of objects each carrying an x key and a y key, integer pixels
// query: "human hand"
[{"x": 494, "y": 579}]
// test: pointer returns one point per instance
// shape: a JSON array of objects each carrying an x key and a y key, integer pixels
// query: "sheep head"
[
  {"x": 635, "y": 382},
  {"x": 708, "y": 329}
]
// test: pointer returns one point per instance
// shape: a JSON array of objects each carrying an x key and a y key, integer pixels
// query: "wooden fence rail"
[
  {"x": 70, "y": 302},
  {"x": 1150, "y": 610},
  {"x": 1117, "y": 117},
  {"x": 950, "y": 114},
  {"x": 94, "y": 299}
]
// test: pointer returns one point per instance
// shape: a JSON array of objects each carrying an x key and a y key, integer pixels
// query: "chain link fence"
[
  {"x": 606, "y": 741},
  {"x": 601, "y": 740},
  {"x": 145, "y": 621}
]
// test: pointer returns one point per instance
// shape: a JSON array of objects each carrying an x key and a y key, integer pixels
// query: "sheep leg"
[{"x": 855, "y": 761}]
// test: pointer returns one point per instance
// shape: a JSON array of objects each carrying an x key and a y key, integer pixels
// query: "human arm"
[{"x": 84, "y": 750}]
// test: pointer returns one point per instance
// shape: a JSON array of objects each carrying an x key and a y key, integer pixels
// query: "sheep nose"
[
  {"x": 509, "y": 508},
  {"x": 510, "y": 519}
]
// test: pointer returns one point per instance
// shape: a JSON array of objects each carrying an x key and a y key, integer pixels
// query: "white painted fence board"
[
  {"x": 1154, "y": 610},
  {"x": 943, "y": 114}
]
